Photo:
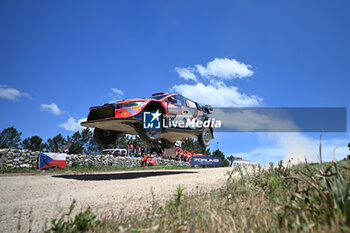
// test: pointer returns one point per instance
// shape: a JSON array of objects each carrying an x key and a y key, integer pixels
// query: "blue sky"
[{"x": 72, "y": 53}]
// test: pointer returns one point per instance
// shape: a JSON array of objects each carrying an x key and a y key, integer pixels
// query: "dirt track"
[{"x": 35, "y": 200}]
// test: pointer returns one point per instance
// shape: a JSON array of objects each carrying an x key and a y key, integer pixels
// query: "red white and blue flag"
[{"x": 47, "y": 160}]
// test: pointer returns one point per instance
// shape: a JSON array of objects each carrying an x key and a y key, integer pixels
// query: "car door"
[
  {"x": 186, "y": 110},
  {"x": 176, "y": 110},
  {"x": 193, "y": 110},
  {"x": 179, "y": 103}
]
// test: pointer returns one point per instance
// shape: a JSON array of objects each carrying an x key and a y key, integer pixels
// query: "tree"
[
  {"x": 137, "y": 141},
  {"x": 83, "y": 142},
  {"x": 220, "y": 154},
  {"x": 76, "y": 145},
  {"x": 123, "y": 141},
  {"x": 33, "y": 143},
  {"x": 230, "y": 159},
  {"x": 92, "y": 147},
  {"x": 190, "y": 144},
  {"x": 10, "y": 138},
  {"x": 57, "y": 144},
  {"x": 75, "y": 148}
]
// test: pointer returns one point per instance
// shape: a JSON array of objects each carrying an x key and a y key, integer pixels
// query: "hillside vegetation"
[{"x": 301, "y": 198}]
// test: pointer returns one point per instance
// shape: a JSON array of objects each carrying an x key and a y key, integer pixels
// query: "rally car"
[{"x": 165, "y": 117}]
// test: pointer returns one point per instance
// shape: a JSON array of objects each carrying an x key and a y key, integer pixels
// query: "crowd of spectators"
[
  {"x": 154, "y": 152},
  {"x": 183, "y": 155}
]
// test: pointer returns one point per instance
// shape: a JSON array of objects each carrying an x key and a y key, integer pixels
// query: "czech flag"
[{"x": 52, "y": 160}]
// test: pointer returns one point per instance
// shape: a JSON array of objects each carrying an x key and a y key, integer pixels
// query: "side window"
[
  {"x": 190, "y": 104},
  {"x": 179, "y": 101}
]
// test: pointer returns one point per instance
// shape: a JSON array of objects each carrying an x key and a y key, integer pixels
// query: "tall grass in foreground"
[{"x": 302, "y": 198}]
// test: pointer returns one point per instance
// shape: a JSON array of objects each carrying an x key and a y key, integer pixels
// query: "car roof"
[{"x": 161, "y": 96}]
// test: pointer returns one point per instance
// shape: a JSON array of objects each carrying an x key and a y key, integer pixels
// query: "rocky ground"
[{"x": 30, "y": 202}]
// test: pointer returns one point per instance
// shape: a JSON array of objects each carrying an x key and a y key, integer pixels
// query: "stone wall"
[
  {"x": 107, "y": 160},
  {"x": 16, "y": 158}
]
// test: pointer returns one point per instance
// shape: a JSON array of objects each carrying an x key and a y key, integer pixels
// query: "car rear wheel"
[
  {"x": 106, "y": 137},
  {"x": 205, "y": 137}
]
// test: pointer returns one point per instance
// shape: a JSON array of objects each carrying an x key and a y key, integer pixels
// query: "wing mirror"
[{"x": 208, "y": 108}]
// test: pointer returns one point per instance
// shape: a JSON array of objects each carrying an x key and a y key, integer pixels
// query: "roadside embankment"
[{"x": 17, "y": 158}]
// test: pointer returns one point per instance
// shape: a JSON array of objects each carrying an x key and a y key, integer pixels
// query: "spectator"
[
  {"x": 154, "y": 155},
  {"x": 144, "y": 160},
  {"x": 159, "y": 150},
  {"x": 131, "y": 148},
  {"x": 153, "y": 149}
]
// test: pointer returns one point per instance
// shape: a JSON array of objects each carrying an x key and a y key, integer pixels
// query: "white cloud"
[
  {"x": 11, "y": 93},
  {"x": 300, "y": 147},
  {"x": 249, "y": 120},
  {"x": 52, "y": 108},
  {"x": 263, "y": 155},
  {"x": 186, "y": 73},
  {"x": 296, "y": 147},
  {"x": 225, "y": 68},
  {"x": 217, "y": 94},
  {"x": 118, "y": 92},
  {"x": 73, "y": 125}
]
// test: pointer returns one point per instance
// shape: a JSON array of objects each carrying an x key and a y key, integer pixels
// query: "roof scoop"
[{"x": 159, "y": 93}]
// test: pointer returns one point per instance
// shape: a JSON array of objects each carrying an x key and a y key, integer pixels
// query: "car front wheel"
[
  {"x": 205, "y": 137},
  {"x": 149, "y": 135}
]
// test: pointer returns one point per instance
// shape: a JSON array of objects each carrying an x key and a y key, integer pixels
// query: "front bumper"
[{"x": 124, "y": 125}]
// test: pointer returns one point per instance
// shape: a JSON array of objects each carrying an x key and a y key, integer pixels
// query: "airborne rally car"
[{"x": 165, "y": 117}]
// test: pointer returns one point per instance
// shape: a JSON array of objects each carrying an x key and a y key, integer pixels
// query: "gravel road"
[{"x": 30, "y": 202}]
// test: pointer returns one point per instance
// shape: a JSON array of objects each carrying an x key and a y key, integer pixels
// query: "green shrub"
[{"x": 82, "y": 222}]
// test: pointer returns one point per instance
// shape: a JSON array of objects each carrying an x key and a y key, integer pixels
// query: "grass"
[
  {"x": 302, "y": 198},
  {"x": 82, "y": 169}
]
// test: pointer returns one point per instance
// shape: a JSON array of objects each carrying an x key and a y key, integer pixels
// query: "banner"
[
  {"x": 206, "y": 161},
  {"x": 152, "y": 161},
  {"x": 47, "y": 160}
]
